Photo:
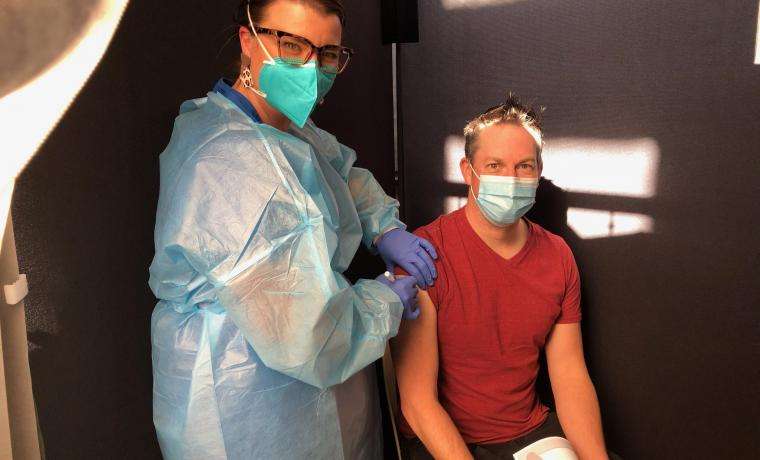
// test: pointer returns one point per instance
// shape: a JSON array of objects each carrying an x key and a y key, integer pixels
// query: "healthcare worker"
[{"x": 260, "y": 344}]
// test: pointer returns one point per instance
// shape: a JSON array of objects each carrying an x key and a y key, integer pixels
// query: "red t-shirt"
[{"x": 494, "y": 316}]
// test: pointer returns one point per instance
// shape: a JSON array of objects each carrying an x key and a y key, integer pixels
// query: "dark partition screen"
[{"x": 652, "y": 176}]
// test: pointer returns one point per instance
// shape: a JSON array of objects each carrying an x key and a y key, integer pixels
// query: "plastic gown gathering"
[{"x": 260, "y": 344}]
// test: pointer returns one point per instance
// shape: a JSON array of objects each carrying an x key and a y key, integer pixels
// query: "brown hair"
[
  {"x": 510, "y": 111},
  {"x": 258, "y": 6}
]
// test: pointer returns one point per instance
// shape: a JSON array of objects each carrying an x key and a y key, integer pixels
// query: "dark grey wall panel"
[
  {"x": 84, "y": 212},
  {"x": 671, "y": 317},
  {"x": 359, "y": 110}
]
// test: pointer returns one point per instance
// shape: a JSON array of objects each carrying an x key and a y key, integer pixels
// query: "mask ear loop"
[
  {"x": 245, "y": 76},
  {"x": 472, "y": 192},
  {"x": 473, "y": 171}
]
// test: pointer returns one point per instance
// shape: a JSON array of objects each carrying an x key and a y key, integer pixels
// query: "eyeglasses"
[{"x": 297, "y": 50}]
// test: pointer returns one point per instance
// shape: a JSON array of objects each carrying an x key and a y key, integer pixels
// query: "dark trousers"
[{"x": 413, "y": 449}]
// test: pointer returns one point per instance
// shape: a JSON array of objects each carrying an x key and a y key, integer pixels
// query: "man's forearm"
[
  {"x": 432, "y": 424},
  {"x": 578, "y": 411}
]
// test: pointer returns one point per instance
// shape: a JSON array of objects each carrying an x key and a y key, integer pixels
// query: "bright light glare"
[
  {"x": 593, "y": 223},
  {"x": 6, "y": 193},
  {"x": 603, "y": 166},
  {"x": 28, "y": 114},
  {"x": 474, "y": 4}
]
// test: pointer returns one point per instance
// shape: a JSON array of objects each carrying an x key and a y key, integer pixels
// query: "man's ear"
[{"x": 464, "y": 167}]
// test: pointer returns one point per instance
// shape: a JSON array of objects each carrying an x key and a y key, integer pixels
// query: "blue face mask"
[
  {"x": 294, "y": 90},
  {"x": 504, "y": 199}
]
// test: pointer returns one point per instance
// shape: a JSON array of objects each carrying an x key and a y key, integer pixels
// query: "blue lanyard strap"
[{"x": 224, "y": 88}]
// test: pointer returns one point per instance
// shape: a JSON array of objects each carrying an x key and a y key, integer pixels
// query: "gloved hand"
[
  {"x": 405, "y": 287},
  {"x": 410, "y": 252}
]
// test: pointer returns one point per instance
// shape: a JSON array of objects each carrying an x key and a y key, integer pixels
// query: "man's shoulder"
[
  {"x": 435, "y": 230},
  {"x": 549, "y": 240}
]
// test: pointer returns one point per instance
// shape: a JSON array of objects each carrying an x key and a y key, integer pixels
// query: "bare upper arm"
[
  {"x": 564, "y": 352},
  {"x": 415, "y": 354}
]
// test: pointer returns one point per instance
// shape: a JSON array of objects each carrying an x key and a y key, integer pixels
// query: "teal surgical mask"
[
  {"x": 504, "y": 199},
  {"x": 294, "y": 90}
]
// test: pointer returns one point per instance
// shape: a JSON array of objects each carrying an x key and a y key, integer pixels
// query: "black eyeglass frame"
[{"x": 344, "y": 50}]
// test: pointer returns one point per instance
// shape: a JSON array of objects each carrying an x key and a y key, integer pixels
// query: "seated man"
[{"x": 506, "y": 289}]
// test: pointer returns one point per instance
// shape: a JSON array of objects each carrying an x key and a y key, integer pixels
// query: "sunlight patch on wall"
[
  {"x": 452, "y": 203},
  {"x": 594, "y": 223},
  {"x": 619, "y": 167},
  {"x": 474, "y": 4},
  {"x": 453, "y": 151}
]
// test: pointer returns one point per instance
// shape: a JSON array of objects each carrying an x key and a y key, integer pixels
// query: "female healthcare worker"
[{"x": 259, "y": 343}]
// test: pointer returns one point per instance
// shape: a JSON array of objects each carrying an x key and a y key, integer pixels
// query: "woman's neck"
[{"x": 266, "y": 112}]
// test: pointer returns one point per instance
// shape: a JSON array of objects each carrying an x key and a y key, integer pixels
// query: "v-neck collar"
[{"x": 464, "y": 224}]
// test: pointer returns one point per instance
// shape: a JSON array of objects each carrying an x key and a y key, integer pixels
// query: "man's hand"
[{"x": 410, "y": 252}]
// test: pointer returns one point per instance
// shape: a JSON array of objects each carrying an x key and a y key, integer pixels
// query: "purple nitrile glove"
[
  {"x": 410, "y": 252},
  {"x": 404, "y": 287}
]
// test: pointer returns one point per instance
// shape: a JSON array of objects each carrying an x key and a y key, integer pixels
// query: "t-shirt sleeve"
[
  {"x": 434, "y": 291},
  {"x": 571, "y": 303}
]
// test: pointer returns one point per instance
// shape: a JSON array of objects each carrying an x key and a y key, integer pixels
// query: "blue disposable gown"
[{"x": 260, "y": 344}]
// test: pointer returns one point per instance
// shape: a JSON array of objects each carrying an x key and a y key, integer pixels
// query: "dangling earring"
[
  {"x": 245, "y": 71},
  {"x": 246, "y": 78}
]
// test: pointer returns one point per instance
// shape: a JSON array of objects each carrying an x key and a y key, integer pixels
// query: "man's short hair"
[{"x": 510, "y": 111}]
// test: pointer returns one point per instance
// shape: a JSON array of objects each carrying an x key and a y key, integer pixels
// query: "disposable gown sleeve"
[
  {"x": 377, "y": 211},
  {"x": 236, "y": 231}
]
